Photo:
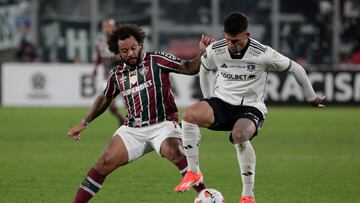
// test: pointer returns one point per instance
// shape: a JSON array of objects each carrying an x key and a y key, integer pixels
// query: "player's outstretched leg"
[
  {"x": 171, "y": 149},
  {"x": 191, "y": 142},
  {"x": 190, "y": 179},
  {"x": 247, "y": 199},
  {"x": 182, "y": 166},
  {"x": 114, "y": 155},
  {"x": 243, "y": 130},
  {"x": 247, "y": 160}
]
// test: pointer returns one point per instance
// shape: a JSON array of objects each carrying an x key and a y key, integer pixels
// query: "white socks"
[
  {"x": 247, "y": 161},
  {"x": 245, "y": 154},
  {"x": 191, "y": 142}
]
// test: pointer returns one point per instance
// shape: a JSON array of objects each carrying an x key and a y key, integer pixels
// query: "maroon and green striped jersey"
[{"x": 146, "y": 90}]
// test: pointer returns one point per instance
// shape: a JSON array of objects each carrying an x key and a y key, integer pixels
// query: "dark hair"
[
  {"x": 123, "y": 32},
  {"x": 235, "y": 23}
]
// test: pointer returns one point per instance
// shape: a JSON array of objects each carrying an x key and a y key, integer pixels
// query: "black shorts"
[{"x": 226, "y": 115}]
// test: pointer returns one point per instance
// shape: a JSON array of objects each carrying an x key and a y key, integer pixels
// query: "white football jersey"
[{"x": 241, "y": 79}]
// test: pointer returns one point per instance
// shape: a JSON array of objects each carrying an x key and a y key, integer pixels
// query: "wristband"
[{"x": 85, "y": 122}]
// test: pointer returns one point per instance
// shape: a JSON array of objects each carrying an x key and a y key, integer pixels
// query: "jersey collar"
[{"x": 241, "y": 54}]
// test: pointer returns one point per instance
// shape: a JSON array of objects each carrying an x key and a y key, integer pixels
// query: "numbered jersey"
[
  {"x": 241, "y": 78},
  {"x": 146, "y": 90}
]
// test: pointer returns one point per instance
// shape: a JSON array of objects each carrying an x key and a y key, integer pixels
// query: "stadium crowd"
[{"x": 305, "y": 29}]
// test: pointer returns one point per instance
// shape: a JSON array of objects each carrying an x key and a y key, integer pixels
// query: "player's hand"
[
  {"x": 205, "y": 41},
  {"x": 74, "y": 133},
  {"x": 318, "y": 101}
]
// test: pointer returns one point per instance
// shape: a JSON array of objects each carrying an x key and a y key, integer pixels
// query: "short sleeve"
[
  {"x": 111, "y": 89},
  {"x": 167, "y": 61}
]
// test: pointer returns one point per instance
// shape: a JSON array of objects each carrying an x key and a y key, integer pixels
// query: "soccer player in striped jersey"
[
  {"x": 234, "y": 98},
  {"x": 152, "y": 116},
  {"x": 108, "y": 60}
]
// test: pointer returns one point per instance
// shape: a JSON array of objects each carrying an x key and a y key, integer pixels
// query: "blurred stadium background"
[
  {"x": 317, "y": 31},
  {"x": 322, "y": 35},
  {"x": 46, "y": 63}
]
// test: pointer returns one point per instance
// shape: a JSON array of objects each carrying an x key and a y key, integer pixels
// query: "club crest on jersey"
[
  {"x": 143, "y": 71},
  {"x": 250, "y": 67}
]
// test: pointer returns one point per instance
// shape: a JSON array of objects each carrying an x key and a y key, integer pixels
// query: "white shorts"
[{"x": 139, "y": 141}]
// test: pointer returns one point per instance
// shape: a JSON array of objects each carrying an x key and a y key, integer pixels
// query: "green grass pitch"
[{"x": 304, "y": 155}]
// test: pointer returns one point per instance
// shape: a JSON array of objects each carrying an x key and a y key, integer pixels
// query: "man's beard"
[{"x": 138, "y": 59}]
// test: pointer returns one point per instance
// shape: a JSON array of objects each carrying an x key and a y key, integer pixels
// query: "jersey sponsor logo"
[
  {"x": 238, "y": 77},
  {"x": 232, "y": 66},
  {"x": 252, "y": 77},
  {"x": 223, "y": 66},
  {"x": 137, "y": 88},
  {"x": 168, "y": 56}
]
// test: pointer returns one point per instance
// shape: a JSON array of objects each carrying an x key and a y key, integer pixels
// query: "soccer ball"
[{"x": 209, "y": 195}]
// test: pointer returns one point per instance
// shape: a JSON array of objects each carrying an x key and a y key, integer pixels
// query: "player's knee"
[
  {"x": 100, "y": 166},
  {"x": 174, "y": 155},
  {"x": 107, "y": 162},
  {"x": 190, "y": 116},
  {"x": 241, "y": 135},
  {"x": 177, "y": 158}
]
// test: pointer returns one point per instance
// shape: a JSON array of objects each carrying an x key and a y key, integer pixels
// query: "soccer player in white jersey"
[{"x": 234, "y": 100}]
